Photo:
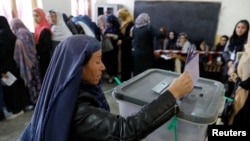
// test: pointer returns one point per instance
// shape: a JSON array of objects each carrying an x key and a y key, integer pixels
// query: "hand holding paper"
[{"x": 10, "y": 79}]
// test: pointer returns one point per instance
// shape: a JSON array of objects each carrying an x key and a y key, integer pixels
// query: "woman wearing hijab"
[
  {"x": 73, "y": 107},
  {"x": 170, "y": 44},
  {"x": 161, "y": 44},
  {"x": 143, "y": 43},
  {"x": 101, "y": 23},
  {"x": 43, "y": 40},
  {"x": 26, "y": 59},
  {"x": 15, "y": 95},
  {"x": 59, "y": 29},
  {"x": 110, "y": 58},
  {"x": 183, "y": 44},
  {"x": 171, "y": 41}
]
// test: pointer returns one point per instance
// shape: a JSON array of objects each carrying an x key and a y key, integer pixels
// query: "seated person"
[
  {"x": 159, "y": 45},
  {"x": 222, "y": 43},
  {"x": 171, "y": 41},
  {"x": 183, "y": 44}
]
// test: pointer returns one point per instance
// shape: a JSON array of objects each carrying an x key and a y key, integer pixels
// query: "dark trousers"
[
  {"x": 126, "y": 63},
  {"x": 16, "y": 97},
  {"x": 44, "y": 60},
  {"x": 1, "y": 102},
  {"x": 110, "y": 60}
]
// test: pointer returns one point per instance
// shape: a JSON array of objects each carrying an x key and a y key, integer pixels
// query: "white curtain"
[
  {"x": 80, "y": 7},
  {"x": 6, "y": 9},
  {"x": 24, "y": 12}
]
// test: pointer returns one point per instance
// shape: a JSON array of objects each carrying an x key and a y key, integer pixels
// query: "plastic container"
[{"x": 197, "y": 110}]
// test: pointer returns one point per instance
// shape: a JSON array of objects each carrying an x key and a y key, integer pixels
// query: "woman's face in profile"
[{"x": 92, "y": 71}]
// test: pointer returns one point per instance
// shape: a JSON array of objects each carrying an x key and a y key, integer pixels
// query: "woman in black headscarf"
[
  {"x": 72, "y": 106},
  {"x": 15, "y": 95}
]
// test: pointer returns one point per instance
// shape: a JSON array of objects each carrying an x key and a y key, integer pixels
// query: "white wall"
[
  {"x": 231, "y": 10},
  {"x": 129, "y": 4},
  {"x": 61, "y": 5},
  {"x": 93, "y": 11}
]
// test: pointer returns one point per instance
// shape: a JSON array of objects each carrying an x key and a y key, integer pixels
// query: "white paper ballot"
[
  {"x": 10, "y": 80},
  {"x": 193, "y": 68},
  {"x": 166, "y": 57},
  {"x": 192, "y": 65}
]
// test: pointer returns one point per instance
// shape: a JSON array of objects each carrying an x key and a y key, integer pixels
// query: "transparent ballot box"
[{"x": 198, "y": 109}]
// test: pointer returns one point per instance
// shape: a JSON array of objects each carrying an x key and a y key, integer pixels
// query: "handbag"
[
  {"x": 228, "y": 110},
  {"x": 240, "y": 98},
  {"x": 107, "y": 44},
  {"x": 232, "y": 107}
]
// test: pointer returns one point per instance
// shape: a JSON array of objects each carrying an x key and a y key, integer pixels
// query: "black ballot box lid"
[{"x": 201, "y": 105}]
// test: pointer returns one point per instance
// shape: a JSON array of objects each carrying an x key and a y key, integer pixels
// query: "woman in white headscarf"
[
  {"x": 59, "y": 29},
  {"x": 101, "y": 23}
]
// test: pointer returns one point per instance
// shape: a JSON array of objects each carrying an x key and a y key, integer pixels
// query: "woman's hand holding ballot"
[{"x": 181, "y": 85}]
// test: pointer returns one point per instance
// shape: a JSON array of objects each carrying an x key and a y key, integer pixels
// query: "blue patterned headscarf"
[{"x": 52, "y": 118}]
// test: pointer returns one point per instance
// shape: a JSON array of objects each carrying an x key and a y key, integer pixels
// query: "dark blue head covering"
[
  {"x": 115, "y": 24},
  {"x": 92, "y": 25},
  {"x": 51, "y": 120}
]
